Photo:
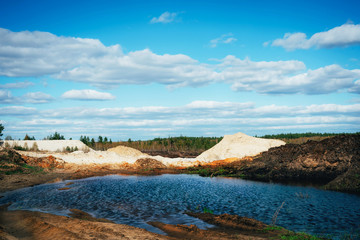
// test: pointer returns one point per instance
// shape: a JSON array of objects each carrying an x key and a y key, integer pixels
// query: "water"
[{"x": 135, "y": 200}]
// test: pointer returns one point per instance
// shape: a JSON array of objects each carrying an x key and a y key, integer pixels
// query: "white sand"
[
  {"x": 48, "y": 145},
  {"x": 124, "y": 151},
  {"x": 238, "y": 145}
]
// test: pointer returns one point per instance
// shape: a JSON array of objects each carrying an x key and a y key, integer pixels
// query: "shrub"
[{"x": 34, "y": 147}]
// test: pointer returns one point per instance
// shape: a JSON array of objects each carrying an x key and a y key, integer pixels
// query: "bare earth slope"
[{"x": 333, "y": 161}]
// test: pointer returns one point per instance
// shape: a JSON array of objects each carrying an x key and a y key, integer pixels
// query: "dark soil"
[
  {"x": 333, "y": 163},
  {"x": 173, "y": 154}
]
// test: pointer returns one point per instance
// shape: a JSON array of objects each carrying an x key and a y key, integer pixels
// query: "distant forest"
[
  {"x": 170, "y": 144},
  {"x": 194, "y": 145},
  {"x": 301, "y": 135}
]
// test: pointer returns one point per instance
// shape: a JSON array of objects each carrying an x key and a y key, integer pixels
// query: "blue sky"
[{"x": 145, "y": 69}]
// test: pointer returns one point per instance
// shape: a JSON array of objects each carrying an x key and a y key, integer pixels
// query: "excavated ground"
[{"x": 333, "y": 163}]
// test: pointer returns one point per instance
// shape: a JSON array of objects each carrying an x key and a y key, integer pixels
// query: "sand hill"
[
  {"x": 124, "y": 151},
  {"x": 238, "y": 145}
]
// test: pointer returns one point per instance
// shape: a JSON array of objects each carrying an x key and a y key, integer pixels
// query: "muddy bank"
[
  {"x": 333, "y": 163},
  {"x": 37, "y": 225},
  {"x": 81, "y": 225}
]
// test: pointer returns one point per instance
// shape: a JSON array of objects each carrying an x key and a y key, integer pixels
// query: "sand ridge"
[{"x": 232, "y": 146}]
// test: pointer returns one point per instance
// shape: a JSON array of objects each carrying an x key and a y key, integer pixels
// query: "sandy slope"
[{"x": 238, "y": 145}]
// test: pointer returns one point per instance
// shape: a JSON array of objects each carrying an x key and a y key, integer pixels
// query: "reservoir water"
[{"x": 135, "y": 200}]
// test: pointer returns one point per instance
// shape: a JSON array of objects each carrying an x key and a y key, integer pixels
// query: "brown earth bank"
[
  {"x": 81, "y": 225},
  {"x": 333, "y": 162}
]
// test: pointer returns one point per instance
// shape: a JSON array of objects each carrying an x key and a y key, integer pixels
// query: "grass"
[
  {"x": 20, "y": 169},
  {"x": 272, "y": 228},
  {"x": 206, "y": 210},
  {"x": 298, "y": 236}
]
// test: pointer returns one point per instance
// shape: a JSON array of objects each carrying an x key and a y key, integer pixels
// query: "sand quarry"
[{"x": 234, "y": 146}]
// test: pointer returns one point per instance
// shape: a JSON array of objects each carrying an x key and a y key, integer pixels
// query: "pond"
[{"x": 135, "y": 200}]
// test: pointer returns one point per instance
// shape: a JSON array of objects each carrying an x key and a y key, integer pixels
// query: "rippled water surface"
[{"x": 135, "y": 200}]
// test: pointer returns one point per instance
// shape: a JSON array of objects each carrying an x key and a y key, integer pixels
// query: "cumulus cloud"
[
  {"x": 16, "y": 85},
  {"x": 356, "y": 87},
  {"x": 6, "y": 97},
  {"x": 141, "y": 67},
  {"x": 87, "y": 94},
  {"x": 166, "y": 17},
  {"x": 200, "y": 117},
  {"x": 342, "y": 36},
  {"x": 40, "y": 53},
  {"x": 285, "y": 77},
  {"x": 223, "y": 39},
  {"x": 31, "y": 97},
  {"x": 37, "y": 97},
  {"x": 18, "y": 111},
  {"x": 89, "y": 61}
]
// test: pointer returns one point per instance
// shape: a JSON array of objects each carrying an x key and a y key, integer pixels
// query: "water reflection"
[{"x": 135, "y": 200}]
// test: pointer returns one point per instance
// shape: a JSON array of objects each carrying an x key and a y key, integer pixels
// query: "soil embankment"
[
  {"x": 333, "y": 162},
  {"x": 81, "y": 225}
]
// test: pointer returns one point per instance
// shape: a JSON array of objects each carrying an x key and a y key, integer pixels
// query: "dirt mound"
[
  {"x": 127, "y": 151},
  {"x": 238, "y": 145},
  {"x": 335, "y": 161},
  {"x": 148, "y": 163},
  {"x": 10, "y": 156}
]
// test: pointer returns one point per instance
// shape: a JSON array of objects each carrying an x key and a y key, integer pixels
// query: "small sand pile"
[
  {"x": 238, "y": 145},
  {"x": 124, "y": 151}
]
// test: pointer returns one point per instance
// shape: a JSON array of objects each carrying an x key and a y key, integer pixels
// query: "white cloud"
[
  {"x": 356, "y": 87},
  {"x": 40, "y": 53},
  {"x": 141, "y": 67},
  {"x": 198, "y": 117},
  {"x": 6, "y": 97},
  {"x": 166, "y": 17},
  {"x": 17, "y": 110},
  {"x": 223, "y": 39},
  {"x": 87, "y": 94},
  {"x": 285, "y": 77},
  {"x": 342, "y": 36},
  {"x": 89, "y": 61},
  {"x": 31, "y": 97},
  {"x": 16, "y": 85},
  {"x": 37, "y": 97}
]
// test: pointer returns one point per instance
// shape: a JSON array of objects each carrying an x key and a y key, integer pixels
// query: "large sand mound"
[
  {"x": 127, "y": 152},
  {"x": 48, "y": 145},
  {"x": 238, "y": 145}
]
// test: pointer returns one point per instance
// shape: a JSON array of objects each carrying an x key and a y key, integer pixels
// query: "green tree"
[
  {"x": 100, "y": 139},
  {"x": 1, "y": 129},
  {"x": 56, "y": 136}
]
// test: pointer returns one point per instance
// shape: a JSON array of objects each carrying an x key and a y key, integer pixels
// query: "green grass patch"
[
  {"x": 206, "y": 210},
  {"x": 272, "y": 228}
]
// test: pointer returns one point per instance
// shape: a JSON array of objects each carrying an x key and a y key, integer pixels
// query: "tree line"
[
  {"x": 181, "y": 143},
  {"x": 301, "y": 135}
]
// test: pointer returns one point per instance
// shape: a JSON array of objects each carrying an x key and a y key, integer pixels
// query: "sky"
[{"x": 144, "y": 69}]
